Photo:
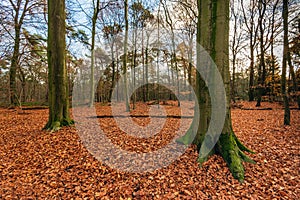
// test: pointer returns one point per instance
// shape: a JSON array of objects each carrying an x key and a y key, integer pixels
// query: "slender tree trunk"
[
  {"x": 190, "y": 57},
  {"x": 113, "y": 76},
  {"x": 147, "y": 73},
  {"x": 126, "y": 56},
  {"x": 272, "y": 51},
  {"x": 92, "y": 81},
  {"x": 262, "y": 65},
  {"x": 18, "y": 22},
  {"x": 252, "y": 30},
  {"x": 57, "y": 74},
  {"x": 13, "y": 68},
  {"x": 284, "y": 63},
  {"x": 143, "y": 64},
  {"x": 233, "y": 81},
  {"x": 157, "y": 56},
  {"x": 174, "y": 62},
  {"x": 251, "y": 75}
]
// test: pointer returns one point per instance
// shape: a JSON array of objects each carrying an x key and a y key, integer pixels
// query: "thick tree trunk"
[
  {"x": 214, "y": 16},
  {"x": 57, "y": 75},
  {"x": 284, "y": 63}
]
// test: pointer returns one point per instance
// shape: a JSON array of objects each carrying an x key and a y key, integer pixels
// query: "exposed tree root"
[
  {"x": 231, "y": 149},
  {"x": 55, "y": 126}
]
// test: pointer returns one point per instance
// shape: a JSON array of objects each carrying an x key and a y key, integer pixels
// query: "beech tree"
[
  {"x": 284, "y": 62},
  {"x": 213, "y": 35},
  {"x": 125, "y": 60},
  {"x": 57, "y": 72},
  {"x": 96, "y": 7}
]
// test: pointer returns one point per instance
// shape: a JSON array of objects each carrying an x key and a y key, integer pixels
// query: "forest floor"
[{"x": 36, "y": 164}]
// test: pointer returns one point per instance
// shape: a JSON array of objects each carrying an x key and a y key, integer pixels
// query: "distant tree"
[
  {"x": 236, "y": 43},
  {"x": 272, "y": 43},
  {"x": 186, "y": 12},
  {"x": 294, "y": 50},
  {"x": 57, "y": 75},
  {"x": 273, "y": 85},
  {"x": 250, "y": 18},
  {"x": 12, "y": 24},
  {"x": 171, "y": 24}
]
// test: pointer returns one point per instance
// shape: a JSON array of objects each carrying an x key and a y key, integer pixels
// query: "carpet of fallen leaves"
[{"x": 36, "y": 164}]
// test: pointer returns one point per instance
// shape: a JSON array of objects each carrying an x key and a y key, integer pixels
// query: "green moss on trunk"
[
  {"x": 227, "y": 147},
  {"x": 57, "y": 73},
  {"x": 213, "y": 35}
]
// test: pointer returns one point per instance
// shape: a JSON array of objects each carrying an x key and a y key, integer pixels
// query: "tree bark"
[
  {"x": 126, "y": 56},
  {"x": 262, "y": 65},
  {"x": 213, "y": 35},
  {"x": 57, "y": 74},
  {"x": 284, "y": 63},
  {"x": 92, "y": 81},
  {"x": 13, "y": 68}
]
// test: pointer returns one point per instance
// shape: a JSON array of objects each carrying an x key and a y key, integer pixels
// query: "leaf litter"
[{"x": 38, "y": 164}]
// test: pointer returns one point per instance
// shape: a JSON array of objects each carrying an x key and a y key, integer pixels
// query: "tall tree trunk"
[
  {"x": 13, "y": 68},
  {"x": 113, "y": 76},
  {"x": 284, "y": 62},
  {"x": 57, "y": 74},
  {"x": 251, "y": 75},
  {"x": 190, "y": 58},
  {"x": 147, "y": 72},
  {"x": 92, "y": 81},
  {"x": 173, "y": 53},
  {"x": 272, "y": 51},
  {"x": 126, "y": 55},
  {"x": 143, "y": 63},
  {"x": 233, "y": 80},
  {"x": 23, "y": 84},
  {"x": 262, "y": 65},
  {"x": 213, "y": 35},
  {"x": 18, "y": 22},
  {"x": 157, "y": 55}
]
